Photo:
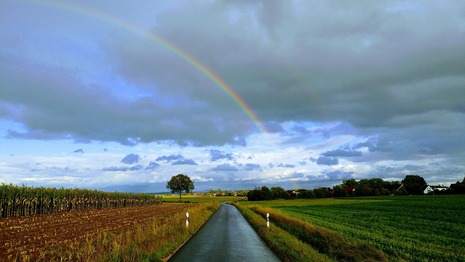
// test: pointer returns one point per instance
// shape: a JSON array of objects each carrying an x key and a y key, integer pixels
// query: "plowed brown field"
[{"x": 29, "y": 235}]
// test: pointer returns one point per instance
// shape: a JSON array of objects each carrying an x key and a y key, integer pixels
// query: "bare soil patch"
[{"x": 25, "y": 236}]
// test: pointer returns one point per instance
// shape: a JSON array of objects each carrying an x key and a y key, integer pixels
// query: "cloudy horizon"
[{"x": 234, "y": 94}]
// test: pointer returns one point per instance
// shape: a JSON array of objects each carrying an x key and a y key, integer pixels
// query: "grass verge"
[
  {"x": 286, "y": 246},
  {"x": 151, "y": 241},
  {"x": 328, "y": 242}
]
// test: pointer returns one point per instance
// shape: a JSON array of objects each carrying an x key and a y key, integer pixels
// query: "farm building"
[{"x": 428, "y": 190}]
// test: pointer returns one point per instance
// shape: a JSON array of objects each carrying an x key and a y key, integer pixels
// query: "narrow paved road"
[{"x": 227, "y": 236}]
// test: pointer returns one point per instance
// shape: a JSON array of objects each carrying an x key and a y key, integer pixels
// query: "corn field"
[{"x": 24, "y": 201}]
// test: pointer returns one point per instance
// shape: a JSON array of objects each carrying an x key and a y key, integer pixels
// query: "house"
[
  {"x": 349, "y": 189},
  {"x": 440, "y": 188},
  {"x": 291, "y": 193},
  {"x": 436, "y": 189},
  {"x": 428, "y": 190}
]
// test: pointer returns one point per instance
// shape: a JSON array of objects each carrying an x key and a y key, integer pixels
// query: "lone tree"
[
  {"x": 180, "y": 183},
  {"x": 414, "y": 184}
]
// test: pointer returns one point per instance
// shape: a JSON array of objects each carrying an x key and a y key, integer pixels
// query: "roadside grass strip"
[
  {"x": 328, "y": 242},
  {"x": 159, "y": 239},
  {"x": 285, "y": 245}
]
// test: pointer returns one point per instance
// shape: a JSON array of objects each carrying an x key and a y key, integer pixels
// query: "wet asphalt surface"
[{"x": 227, "y": 236}]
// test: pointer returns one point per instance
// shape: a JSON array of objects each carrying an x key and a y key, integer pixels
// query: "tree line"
[
  {"x": 459, "y": 187},
  {"x": 410, "y": 185}
]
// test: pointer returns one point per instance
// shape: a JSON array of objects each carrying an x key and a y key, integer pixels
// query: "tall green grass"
[
  {"x": 285, "y": 245},
  {"x": 326, "y": 241}
]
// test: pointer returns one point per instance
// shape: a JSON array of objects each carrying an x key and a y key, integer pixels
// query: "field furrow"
[{"x": 27, "y": 235}]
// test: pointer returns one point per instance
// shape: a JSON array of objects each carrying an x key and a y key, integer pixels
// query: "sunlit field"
[{"x": 409, "y": 228}]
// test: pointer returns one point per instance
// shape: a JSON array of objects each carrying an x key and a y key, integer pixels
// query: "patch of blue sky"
[
  {"x": 291, "y": 126},
  {"x": 13, "y": 147},
  {"x": 120, "y": 88}
]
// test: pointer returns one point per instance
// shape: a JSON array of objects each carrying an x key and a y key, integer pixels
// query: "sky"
[{"x": 118, "y": 95}]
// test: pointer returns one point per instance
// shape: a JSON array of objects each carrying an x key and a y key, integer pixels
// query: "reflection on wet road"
[{"x": 227, "y": 236}]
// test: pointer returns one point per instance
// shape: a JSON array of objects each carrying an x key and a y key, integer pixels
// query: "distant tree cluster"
[
  {"x": 367, "y": 187},
  {"x": 410, "y": 185},
  {"x": 220, "y": 192},
  {"x": 415, "y": 185},
  {"x": 279, "y": 192},
  {"x": 263, "y": 193},
  {"x": 459, "y": 187}
]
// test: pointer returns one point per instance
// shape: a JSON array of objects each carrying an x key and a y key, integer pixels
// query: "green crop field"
[{"x": 410, "y": 228}]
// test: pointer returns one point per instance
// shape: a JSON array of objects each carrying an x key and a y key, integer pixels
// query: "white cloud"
[{"x": 225, "y": 168}]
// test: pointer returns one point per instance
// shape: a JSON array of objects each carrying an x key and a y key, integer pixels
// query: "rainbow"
[{"x": 167, "y": 45}]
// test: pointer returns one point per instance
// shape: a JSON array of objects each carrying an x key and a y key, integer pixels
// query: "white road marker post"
[
  {"x": 187, "y": 219},
  {"x": 268, "y": 220}
]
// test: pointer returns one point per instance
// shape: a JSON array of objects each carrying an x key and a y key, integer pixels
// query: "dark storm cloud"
[
  {"x": 299, "y": 132},
  {"x": 441, "y": 136},
  {"x": 45, "y": 97},
  {"x": 371, "y": 65},
  {"x": 371, "y": 144},
  {"x": 389, "y": 73},
  {"x": 35, "y": 134},
  {"x": 384, "y": 68},
  {"x": 342, "y": 152},
  {"x": 4, "y": 111},
  {"x": 131, "y": 159}
]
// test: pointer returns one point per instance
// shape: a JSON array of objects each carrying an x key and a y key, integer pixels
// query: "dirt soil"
[{"x": 29, "y": 235}]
